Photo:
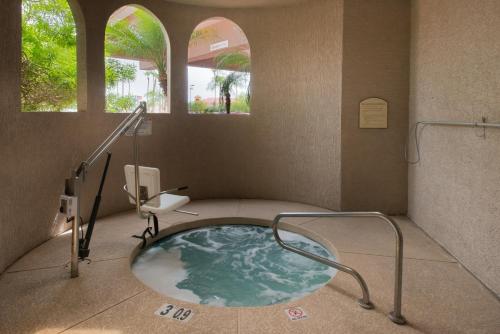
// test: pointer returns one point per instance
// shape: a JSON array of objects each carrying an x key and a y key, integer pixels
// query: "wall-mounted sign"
[
  {"x": 373, "y": 114},
  {"x": 219, "y": 45}
]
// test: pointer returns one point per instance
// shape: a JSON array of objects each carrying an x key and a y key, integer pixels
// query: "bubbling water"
[{"x": 232, "y": 265}]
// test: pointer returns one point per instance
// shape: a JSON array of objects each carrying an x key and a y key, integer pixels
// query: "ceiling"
[{"x": 238, "y": 3}]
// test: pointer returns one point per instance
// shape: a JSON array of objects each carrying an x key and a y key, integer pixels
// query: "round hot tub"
[{"x": 232, "y": 265}]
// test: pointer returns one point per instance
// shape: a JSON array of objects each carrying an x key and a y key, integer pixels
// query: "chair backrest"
[{"x": 149, "y": 183}]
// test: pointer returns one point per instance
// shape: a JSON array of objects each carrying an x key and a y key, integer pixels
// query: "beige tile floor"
[{"x": 439, "y": 296}]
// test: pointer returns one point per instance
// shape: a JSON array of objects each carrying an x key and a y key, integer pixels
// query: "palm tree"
[
  {"x": 153, "y": 93},
  {"x": 216, "y": 83},
  {"x": 232, "y": 80},
  {"x": 143, "y": 40},
  {"x": 148, "y": 75},
  {"x": 237, "y": 61},
  {"x": 202, "y": 34}
]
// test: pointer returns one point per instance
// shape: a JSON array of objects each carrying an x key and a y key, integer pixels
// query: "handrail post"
[
  {"x": 137, "y": 171},
  {"x": 364, "y": 302},
  {"x": 75, "y": 242},
  {"x": 395, "y": 316}
]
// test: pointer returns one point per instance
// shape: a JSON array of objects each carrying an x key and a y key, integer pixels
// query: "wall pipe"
[
  {"x": 466, "y": 124},
  {"x": 483, "y": 124}
]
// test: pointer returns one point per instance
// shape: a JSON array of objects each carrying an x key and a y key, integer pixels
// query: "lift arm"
[{"x": 70, "y": 201}]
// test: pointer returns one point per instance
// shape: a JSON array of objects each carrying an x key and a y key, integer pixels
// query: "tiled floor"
[{"x": 439, "y": 296}]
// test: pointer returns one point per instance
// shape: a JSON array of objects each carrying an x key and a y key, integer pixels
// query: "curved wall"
[
  {"x": 454, "y": 192},
  {"x": 288, "y": 148}
]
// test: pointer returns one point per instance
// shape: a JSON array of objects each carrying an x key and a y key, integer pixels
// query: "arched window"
[
  {"x": 137, "y": 58},
  {"x": 48, "y": 59},
  {"x": 219, "y": 68}
]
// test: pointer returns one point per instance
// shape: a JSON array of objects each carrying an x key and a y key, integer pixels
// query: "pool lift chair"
[{"x": 151, "y": 201}]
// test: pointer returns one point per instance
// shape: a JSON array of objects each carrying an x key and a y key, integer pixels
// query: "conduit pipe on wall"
[{"x": 483, "y": 124}]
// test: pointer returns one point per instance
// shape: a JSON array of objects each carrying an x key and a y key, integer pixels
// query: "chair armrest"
[
  {"x": 126, "y": 190},
  {"x": 169, "y": 191}
]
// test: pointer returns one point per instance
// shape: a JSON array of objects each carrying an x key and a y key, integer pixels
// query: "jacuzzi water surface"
[{"x": 232, "y": 265}]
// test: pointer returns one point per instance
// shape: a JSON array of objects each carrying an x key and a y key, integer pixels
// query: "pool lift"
[{"x": 144, "y": 180}]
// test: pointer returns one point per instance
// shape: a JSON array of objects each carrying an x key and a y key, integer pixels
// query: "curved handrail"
[
  {"x": 395, "y": 315},
  {"x": 363, "y": 302}
]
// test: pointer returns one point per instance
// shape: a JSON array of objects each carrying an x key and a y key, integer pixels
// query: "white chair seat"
[
  {"x": 168, "y": 202},
  {"x": 150, "y": 182}
]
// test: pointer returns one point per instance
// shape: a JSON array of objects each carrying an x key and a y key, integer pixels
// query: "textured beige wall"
[
  {"x": 288, "y": 148},
  {"x": 375, "y": 64},
  {"x": 454, "y": 192}
]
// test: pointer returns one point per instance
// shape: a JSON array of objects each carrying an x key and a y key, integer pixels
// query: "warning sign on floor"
[{"x": 296, "y": 313}]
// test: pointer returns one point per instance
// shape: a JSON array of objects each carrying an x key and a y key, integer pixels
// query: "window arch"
[
  {"x": 137, "y": 60},
  {"x": 219, "y": 64},
  {"x": 49, "y": 56}
]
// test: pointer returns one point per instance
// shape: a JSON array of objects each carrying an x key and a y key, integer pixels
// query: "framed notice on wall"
[{"x": 373, "y": 113}]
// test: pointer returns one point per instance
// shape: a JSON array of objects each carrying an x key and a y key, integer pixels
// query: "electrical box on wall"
[
  {"x": 68, "y": 205},
  {"x": 373, "y": 113}
]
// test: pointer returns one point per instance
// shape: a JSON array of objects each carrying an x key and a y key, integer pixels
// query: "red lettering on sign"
[{"x": 295, "y": 312}]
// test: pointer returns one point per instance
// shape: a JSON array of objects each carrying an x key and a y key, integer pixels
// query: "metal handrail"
[{"x": 395, "y": 315}]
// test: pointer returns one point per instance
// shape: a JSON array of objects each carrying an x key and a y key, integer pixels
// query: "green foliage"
[
  {"x": 112, "y": 72},
  {"x": 115, "y": 103},
  {"x": 117, "y": 72},
  {"x": 214, "y": 109},
  {"x": 240, "y": 105},
  {"x": 240, "y": 63},
  {"x": 155, "y": 99},
  {"x": 226, "y": 84},
  {"x": 216, "y": 82},
  {"x": 128, "y": 72},
  {"x": 198, "y": 106},
  {"x": 235, "y": 61},
  {"x": 234, "y": 79},
  {"x": 48, "y": 64},
  {"x": 142, "y": 40},
  {"x": 230, "y": 81},
  {"x": 202, "y": 34}
]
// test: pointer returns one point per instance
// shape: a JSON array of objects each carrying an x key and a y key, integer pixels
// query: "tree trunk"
[
  {"x": 215, "y": 94},
  {"x": 153, "y": 98},
  {"x": 163, "y": 79},
  {"x": 228, "y": 103}
]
